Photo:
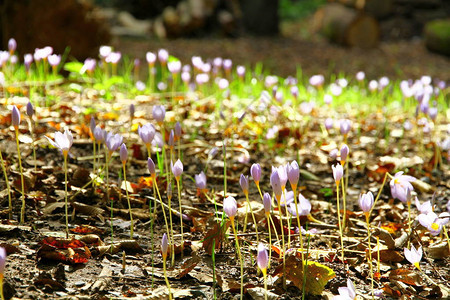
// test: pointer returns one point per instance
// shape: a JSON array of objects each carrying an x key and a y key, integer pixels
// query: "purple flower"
[
  {"x": 147, "y": 133},
  {"x": 360, "y": 76},
  {"x": 286, "y": 198},
  {"x": 151, "y": 167},
  {"x": 89, "y": 65},
  {"x": 62, "y": 141},
  {"x": 15, "y": 117},
  {"x": 30, "y": 110},
  {"x": 164, "y": 246},
  {"x": 267, "y": 202},
  {"x": 303, "y": 207},
  {"x": 338, "y": 172},
  {"x": 104, "y": 51},
  {"x": 276, "y": 184},
  {"x": 12, "y": 45},
  {"x": 344, "y": 153},
  {"x": 230, "y": 207},
  {"x": 316, "y": 80},
  {"x": 345, "y": 126},
  {"x": 123, "y": 153},
  {"x": 177, "y": 130},
  {"x": 27, "y": 60},
  {"x": 366, "y": 202},
  {"x": 174, "y": 67},
  {"x": 132, "y": 110},
  {"x": 329, "y": 123},
  {"x": 200, "y": 181},
  {"x": 413, "y": 256},
  {"x": 159, "y": 112},
  {"x": 243, "y": 181},
  {"x": 293, "y": 173},
  {"x": 177, "y": 169},
  {"x": 151, "y": 58},
  {"x": 163, "y": 56},
  {"x": 2, "y": 260},
  {"x": 240, "y": 70},
  {"x": 113, "y": 142},
  {"x": 255, "y": 171},
  {"x": 432, "y": 222},
  {"x": 113, "y": 57},
  {"x": 282, "y": 173},
  {"x": 54, "y": 60},
  {"x": 346, "y": 293},
  {"x": 263, "y": 258},
  {"x": 227, "y": 63},
  {"x": 99, "y": 134},
  {"x": 171, "y": 139},
  {"x": 424, "y": 208},
  {"x": 399, "y": 185}
]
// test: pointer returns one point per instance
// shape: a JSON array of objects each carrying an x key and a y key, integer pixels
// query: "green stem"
[
  {"x": 1, "y": 287},
  {"x": 22, "y": 211},
  {"x": 128, "y": 200},
  {"x": 282, "y": 240}
]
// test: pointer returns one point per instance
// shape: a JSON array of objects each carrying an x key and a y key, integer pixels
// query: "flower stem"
[
  {"x": 282, "y": 241},
  {"x": 265, "y": 283},
  {"x": 65, "y": 195},
  {"x": 1, "y": 287},
  {"x": 238, "y": 249},
  {"x": 22, "y": 211},
  {"x": 165, "y": 277},
  {"x": 181, "y": 215},
  {"x": 370, "y": 253},
  {"x": 128, "y": 199},
  {"x": 339, "y": 221},
  {"x": 7, "y": 185}
]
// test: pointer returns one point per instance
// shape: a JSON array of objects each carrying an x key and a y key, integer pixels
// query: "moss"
[
  {"x": 440, "y": 28},
  {"x": 437, "y": 36}
]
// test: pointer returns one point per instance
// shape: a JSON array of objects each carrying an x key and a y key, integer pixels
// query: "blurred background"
[{"x": 399, "y": 38}]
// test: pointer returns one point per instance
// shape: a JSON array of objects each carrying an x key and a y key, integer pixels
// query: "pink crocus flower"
[{"x": 400, "y": 184}]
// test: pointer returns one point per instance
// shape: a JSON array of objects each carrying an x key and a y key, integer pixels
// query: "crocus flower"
[
  {"x": 223, "y": 83},
  {"x": 140, "y": 86},
  {"x": 163, "y": 56},
  {"x": 327, "y": 98},
  {"x": 2, "y": 260},
  {"x": 178, "y": 130},
  {"x": 425, "y": 207},
  {"x": 282, "y": 173},
  {"x": 54, "y": 60},
  {"x": 15, "y": 117},
  {"x": 159, "y": 112},
  {"x": 123, "y": 153},
  {"x": 243, "y": 181},
  {"x": 263, "y": 258},
  {"x": 338, "y": 172},
  {"x": 147, "y": 133},
  {"x": 30, "y": 110},
  {"x": 151, "y": 167},
  {"x": 267, "y": 202},
  {"x": 151, "y": 58},
  {"x": 303, "y": 207},
  {"x": 174, "y": 67},
  {"x": 255, "y": 171},
  {"x": 230, "y": 207},
  {"x": 171, "y": 139},
  {"x": 366, "y": 202},
  {"x": 12, "y": 45},
  {"x": 200, "y": 181},
  {"x": 345, "y": 126},
  {"x": 132, "y": 110},
  {"x": 227, "y": 63},
  {"x": 104, "y": 51},
  {"x": 293, "y": 173},
  {"x": 329, "y": 123},
  {"x": 27, "y": 60},
  {"x": 113, "y": 142},
  {"x": 344, "y": 153},
  {"x": 414, "y": 256},
  {"x": 113, "y": 57},
  {"x": 63, "y": 141},
  {"x": 317, "y": 80},
  {"x": 286, "y": 198},
  {"x": 240, "y": 70},
  {"x": 360, "y": 76},
  {"x": 399, "y": 185},
  {"x": 177, "y": 169},
  {"x": 276, "y": 184},
  {"x": 432, "y": 222},
  {"x": 99, "y": 134},
  {"x": 346, "y": 293},
  {"x": 164, "y": 246}
]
